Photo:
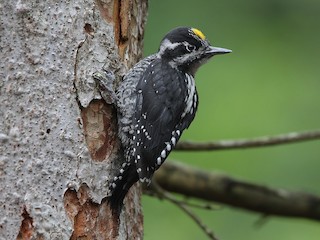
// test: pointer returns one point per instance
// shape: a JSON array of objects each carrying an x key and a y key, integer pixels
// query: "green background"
[{"x": 269, "y": 85}]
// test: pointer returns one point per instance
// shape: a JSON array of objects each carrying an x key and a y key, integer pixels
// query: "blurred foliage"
[{"x": 269, "y": 85}]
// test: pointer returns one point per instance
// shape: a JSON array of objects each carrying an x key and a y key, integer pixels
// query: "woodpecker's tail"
[{"x": 121, "y": 185}]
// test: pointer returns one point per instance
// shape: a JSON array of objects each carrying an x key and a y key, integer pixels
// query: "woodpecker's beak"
[{"x": 216, "y": 50}]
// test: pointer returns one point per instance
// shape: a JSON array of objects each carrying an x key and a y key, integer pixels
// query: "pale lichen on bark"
[{"x": 45, "y": 158}]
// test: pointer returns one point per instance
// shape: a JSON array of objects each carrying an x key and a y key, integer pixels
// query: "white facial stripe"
[
  {"x": 189, "y": 46},
  {"x": 167, "y": 44},
  {"x": 186, "y": 57},
  {"x": 191, "y": 55}
]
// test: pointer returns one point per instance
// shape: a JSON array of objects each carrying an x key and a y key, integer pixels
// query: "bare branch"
[
  {"x": 249, "y": 143},
  {"x": 162, "y": 194},
  {"x": 179, "y": 178}
]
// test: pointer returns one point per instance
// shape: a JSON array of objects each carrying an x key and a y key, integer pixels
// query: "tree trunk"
[{"x": 57, "y": 137}]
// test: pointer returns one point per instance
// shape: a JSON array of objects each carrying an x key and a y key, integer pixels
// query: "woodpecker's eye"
[{"x": 190, "y": 48}]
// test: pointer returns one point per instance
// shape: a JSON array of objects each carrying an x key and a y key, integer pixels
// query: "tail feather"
[{"x": 121, "y": 185}]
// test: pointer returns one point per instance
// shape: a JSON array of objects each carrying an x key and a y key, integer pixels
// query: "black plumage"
[
  {"x": 156, "y": 101},
  {"x": 162, "y": 92},
  {"x": 161, "y": 96}
]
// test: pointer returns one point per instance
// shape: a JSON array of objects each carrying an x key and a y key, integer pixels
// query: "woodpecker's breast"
[{"x": 191, "y": 97}]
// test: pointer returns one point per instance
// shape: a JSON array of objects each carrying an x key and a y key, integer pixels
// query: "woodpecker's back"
[{"x": 156, "y": 101}]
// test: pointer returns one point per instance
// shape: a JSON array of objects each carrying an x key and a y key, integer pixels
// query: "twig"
[
  {"x": 205, "y": 206},
  {"x": 249, "y": 143},
  {"x": 209, "y": 186},
  {"x": 261, "y": 221},
  {"x": 164, "y": 194}
]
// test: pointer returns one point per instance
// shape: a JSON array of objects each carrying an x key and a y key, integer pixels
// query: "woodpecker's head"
[{"x": 187, "y": 48}]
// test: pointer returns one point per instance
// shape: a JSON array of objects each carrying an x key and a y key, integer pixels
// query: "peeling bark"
[
  {"x": 58, "y": 139},
  {"x": 26, "y": 228},
  {"x": 79, "y": 208},
  {"x": 99, "y": 123}
]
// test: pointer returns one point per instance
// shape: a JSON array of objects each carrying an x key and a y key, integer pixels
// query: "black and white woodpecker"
[{"x": 156, "y": 101}]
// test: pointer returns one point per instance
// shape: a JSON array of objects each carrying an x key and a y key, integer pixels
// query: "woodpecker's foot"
[{"x": 105, "y": 80}]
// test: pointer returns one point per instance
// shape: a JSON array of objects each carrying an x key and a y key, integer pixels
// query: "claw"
[{"x": 104, "y": 81}]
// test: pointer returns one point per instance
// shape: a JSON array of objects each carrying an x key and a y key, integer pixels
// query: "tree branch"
[
  {"x": 179, "y": 178},
  {"x": 249, "y": 143},
  {"x": 155, "y": 189}
]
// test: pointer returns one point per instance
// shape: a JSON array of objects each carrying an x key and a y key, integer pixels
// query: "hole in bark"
[{"x": 88, "y": 28}]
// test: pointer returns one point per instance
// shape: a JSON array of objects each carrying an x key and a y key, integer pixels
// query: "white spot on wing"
[
  {"x": 147, "y": 180},
  {"x": 159, "y": 161},
  {"x": 163, "y": 153},
  {"x": 174, "y": 141},
  {"x": 168, "y": 147}
]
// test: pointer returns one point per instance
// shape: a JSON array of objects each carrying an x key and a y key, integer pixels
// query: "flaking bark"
[{"x": 57, "y": 137}]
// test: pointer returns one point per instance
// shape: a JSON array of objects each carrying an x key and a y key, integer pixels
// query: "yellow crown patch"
[{"x": 198, "y": 33}]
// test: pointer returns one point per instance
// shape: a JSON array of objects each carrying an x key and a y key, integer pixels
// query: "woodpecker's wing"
[
  {"x": 163, "y": 112},
  {"x": 126, "y": 99}
]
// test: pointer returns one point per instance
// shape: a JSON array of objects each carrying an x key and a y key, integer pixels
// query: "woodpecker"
[{"x": 156, "y": 101}]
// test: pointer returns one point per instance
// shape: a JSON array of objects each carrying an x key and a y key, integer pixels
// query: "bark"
[
  {"x": 58, "y": 139},
  {"x": 217, "y": 187}
]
